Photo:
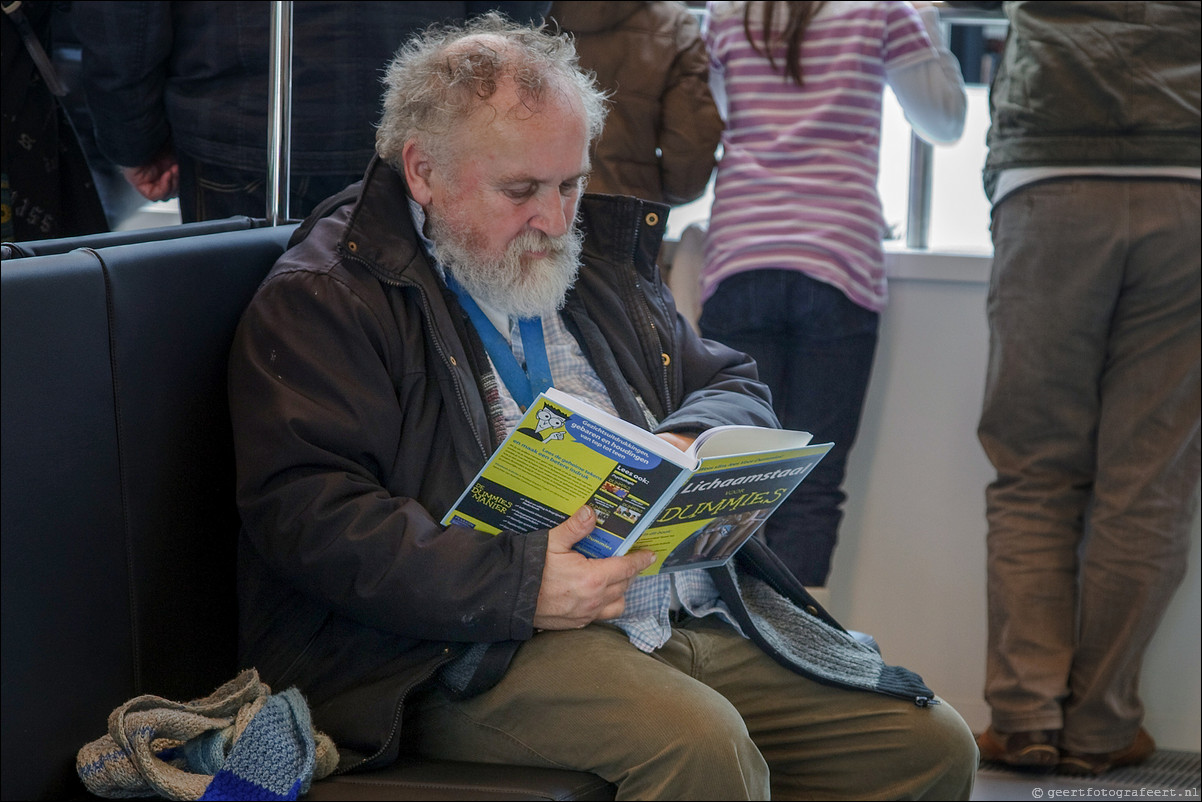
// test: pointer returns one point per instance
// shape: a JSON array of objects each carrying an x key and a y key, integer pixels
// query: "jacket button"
[
  {"x": 651, "y": 219},
  {"x": 811, "y": 609}
]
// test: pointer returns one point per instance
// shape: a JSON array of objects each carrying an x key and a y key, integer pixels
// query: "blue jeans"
[
  {"x": 814, "y": 348},
  {"x": 212, "y": 192}
]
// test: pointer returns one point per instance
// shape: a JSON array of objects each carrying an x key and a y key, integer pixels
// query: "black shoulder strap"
[{"x": 34, "y": 46}]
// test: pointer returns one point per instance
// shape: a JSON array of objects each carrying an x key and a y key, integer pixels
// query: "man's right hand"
[{"x": 578, "y": 590}]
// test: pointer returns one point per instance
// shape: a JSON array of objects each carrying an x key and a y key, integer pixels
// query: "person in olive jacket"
[
  {"x": 1090, "y": 414},
  {"x": 374, "y": 372}
]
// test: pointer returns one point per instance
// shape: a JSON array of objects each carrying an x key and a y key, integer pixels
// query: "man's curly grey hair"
[{"x": 442, "y": 76}]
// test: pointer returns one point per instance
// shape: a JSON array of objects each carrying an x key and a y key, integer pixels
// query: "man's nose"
[{"x": 553, "y": 214}]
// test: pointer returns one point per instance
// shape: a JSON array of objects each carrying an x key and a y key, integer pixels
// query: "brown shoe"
[
  {"x": 1093, "y": 764},
  {"x": 1034, "y": 750}
]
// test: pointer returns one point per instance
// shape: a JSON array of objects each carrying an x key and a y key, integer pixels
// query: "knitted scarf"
[{"x": 240, "y": 742}]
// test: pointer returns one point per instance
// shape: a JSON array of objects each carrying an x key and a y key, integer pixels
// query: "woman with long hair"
[{"x": 793, "y": 270}]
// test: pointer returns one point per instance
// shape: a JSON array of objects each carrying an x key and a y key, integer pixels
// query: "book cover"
[
  {"x": 693, "y": 508},
  {"x": 725, "y": 500}
]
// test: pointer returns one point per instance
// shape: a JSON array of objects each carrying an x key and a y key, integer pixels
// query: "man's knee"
[
  {"x": 901, "y": 752},
  {"x": 700, "y": 743},
  {"x": 944, "y": 757},
  {"x": 697, "y": 727}
]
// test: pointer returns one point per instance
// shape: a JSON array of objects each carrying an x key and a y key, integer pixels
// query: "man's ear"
[{"x": 418, "y": 168}]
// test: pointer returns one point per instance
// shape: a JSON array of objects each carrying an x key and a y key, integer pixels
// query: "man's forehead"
[{"x": 519, "y": 141}]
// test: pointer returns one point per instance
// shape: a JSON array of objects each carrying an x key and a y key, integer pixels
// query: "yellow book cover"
[{"x": 692, "y": 508}]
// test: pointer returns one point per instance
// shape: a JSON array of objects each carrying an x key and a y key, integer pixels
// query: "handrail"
[
  {"x": 279, "y": 118},
  {"x": 918, "y": 196}
]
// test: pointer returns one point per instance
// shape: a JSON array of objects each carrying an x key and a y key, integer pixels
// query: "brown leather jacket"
[{"x": 663, "y": 126}]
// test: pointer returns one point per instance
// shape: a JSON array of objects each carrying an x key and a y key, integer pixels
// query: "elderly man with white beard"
[{"x": 388, "y": 353}]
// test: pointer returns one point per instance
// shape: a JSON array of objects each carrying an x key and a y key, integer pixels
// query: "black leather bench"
[
  {"x": 20, "y": 250},
  {"x": 119, "y": 525}
]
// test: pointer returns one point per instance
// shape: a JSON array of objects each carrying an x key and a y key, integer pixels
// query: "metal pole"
[
  {"x": 918, "y": 206},
  {"x": 918, "y": 201},
  {"x": 279, "y": 118}
]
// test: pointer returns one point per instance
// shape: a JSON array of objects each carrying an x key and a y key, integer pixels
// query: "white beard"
[{"x": 532, "y": 289}]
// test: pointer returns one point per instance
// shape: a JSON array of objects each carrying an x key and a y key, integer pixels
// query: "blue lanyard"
[{"x": 523, "y": 383}]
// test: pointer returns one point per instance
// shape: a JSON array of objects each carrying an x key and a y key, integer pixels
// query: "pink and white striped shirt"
[{"x": 796, "y": 188}]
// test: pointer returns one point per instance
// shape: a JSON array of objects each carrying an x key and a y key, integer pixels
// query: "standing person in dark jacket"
[
  {"x": 178, "y": 93},
  {"x": 664, "y": 127},
  {"x": 1092, "y": 398},
  {"x": 377, "y": 368},
  {"x": 48, "y": 189}
]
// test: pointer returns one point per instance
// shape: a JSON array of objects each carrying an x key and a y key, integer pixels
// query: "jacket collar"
[
  {"x": 621, "y": 231},
  {"x": 381, "y": 231}
]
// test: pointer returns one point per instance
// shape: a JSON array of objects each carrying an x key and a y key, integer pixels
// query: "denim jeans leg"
[
  {"x": 814, "y": 348},
  {"x": 213, "y": 192}
]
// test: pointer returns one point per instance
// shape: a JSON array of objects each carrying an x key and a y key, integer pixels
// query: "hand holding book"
[{"x": 577, "y": 590}]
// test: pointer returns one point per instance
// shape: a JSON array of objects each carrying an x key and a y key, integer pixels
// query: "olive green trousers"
[{"x": 707, "y": 716}]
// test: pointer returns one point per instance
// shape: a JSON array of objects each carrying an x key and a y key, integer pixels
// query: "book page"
[{"x": 746, "y": 439}]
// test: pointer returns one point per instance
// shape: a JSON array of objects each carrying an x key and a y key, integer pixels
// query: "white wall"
[{"x": 910, "y": 566}]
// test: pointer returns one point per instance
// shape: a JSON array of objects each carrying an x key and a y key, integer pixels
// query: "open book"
[{"x": 693, "y": 508}]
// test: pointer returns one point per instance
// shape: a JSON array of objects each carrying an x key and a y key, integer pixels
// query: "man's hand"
[
  {"x": 678, "y": 439},
  {"x": 156, "y": 180},
  {"x": 577, "y": 590}
]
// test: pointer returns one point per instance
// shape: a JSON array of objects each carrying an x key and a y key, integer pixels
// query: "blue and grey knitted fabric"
[
  {"x": 273, "y": 758},
  {"x": 240, "y": 742}
]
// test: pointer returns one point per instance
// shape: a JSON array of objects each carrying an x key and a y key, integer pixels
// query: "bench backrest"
[
  {"x": 119, "y": 526},
  {"x": 109, "y": 239}
]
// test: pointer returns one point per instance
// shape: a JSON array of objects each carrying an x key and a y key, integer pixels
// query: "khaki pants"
[
  {"x": 708, "y": 716},
  {"x": 1091, "y": 418}
]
